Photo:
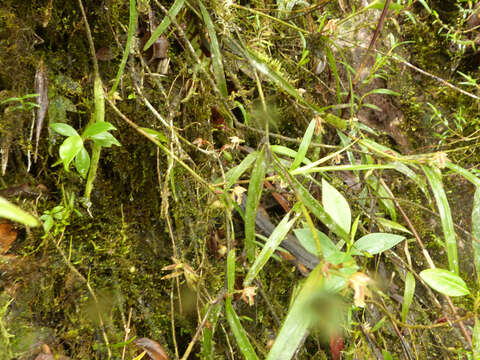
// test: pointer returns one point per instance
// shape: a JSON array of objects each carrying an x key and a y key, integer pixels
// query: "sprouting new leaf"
[
  {"x": 64, "y": 129},
  {"x": 69, "y": 149},
  {"x": 97, "y": 128},
  {"x": 445, "y": 282},
  {"x": 82, "y": 162},
  {"x": 376, "y": 243},
  {"x": 336, "y": 206},
  {"x": 14, "y": 213}
]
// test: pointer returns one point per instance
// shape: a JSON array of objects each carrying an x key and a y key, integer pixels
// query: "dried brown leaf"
[
  {"x": 41, "y": 88},
  {"x": 153, "y": 348}
]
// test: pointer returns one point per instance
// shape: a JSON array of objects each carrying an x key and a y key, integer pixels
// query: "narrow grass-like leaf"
[
  {"x": 239, "y": 332},
  {"x": 408, "y": 294},
  {"x": 445, "y": 282},
  {"x": 383, "y": 196},
  {"x": 126, "y": 52},
  {"x": 157, "y": 135},
  {"x": 376, "y": 243},
  {"x": 217, "y": 63},
  {"x": 435, "y": 179},
  {"x": 271, "y": 245},
  {"x": 412, "y": 175},
  {"x": 314, "y": 206},
  {"x": 174, "y": 10},
  {"x": 234, "y": 174},
  {"x": 333, "y": 68},
  {"x": 336, "y": 205},
  {"x": 389, "y": 224},
  {"x": 14, "y": 213},
  {"x": 231, "y": 271},
  {"x": 302, "y": 150},
  {"x": 476, "y": 340},
  {"x": 253, "y": 199},
  {"x": 383, "y": 92},
  {"x": 463, "y": 172},
  {"x": 298, "y": 320},
  {"x": 208, "y": 331},
  {"x": 309, "y": 169},
  {"x": 286, "y": 151},
  {"x": 476, "y": 231}
]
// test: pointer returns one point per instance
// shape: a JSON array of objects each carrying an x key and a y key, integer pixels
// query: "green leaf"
[
  {"x": 434, "y": 177},
  {"x": 336, "y": 205},
  {"x": 445, "y": 282},
  {"x": 14, "y": 213},
  {"x": 234, "y": 174},
  {"x": 302, "y": 150},
  {"x": 174, "y": 10},
  {"x": 383, "y": 92},
  {"x": 239, "y": 332},
  {"x": 157, "y": 135},
  {"x": 97, "y": 128},
  {"x": 376, "y": 243},
  {"x": 64, "y": 129},
  {"x": 217, "y": 64},
  {"x": 408, "y": 294},
  {"x": 105, "y": 139},
  {"x": 476, "y": 340},
  {"x": 389, "y": 224},
  {"x": 82, "y": 162},
  {"x": 69, "y": 149},
  {"x": 271, "y": 245},
  {"x": 314, "y": 206},
  {"x": 330, "y": 251},
  {"x": 299, "y": 319},
  {"x": 286, "y": 151},
  {"x": 253, "y": 199},
  {"x": 476, "y": 231}
]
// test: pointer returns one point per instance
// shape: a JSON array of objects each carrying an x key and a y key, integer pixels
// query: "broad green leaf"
[
  {"x": 336, "y": 206},
  {"x": 217, "y": 64},
  {"x": 174, "y": 10},
  {"x": 299, "y": 319},
  {"x": 329, "y": 250},
  {"x": 408, "y": 294},
  {"x": 14, "y": 213},
  {"x": 314, "y": 206},
  {"x": 157, "y": 135},
  {"x": 97, "y": 128},
  {"x": 434, "y": 177},
  {"x": 445, "y": 282},
  {"x": 271, "y": 245},
  {"x": 302, "y": 150},
  {"x": 234, "y": 174},
  {"x": 253, "y": 199},
  {"x": 105, "y": 139},
  {"x": 376, "y": 243},
  {"x": 69, "y": 149},
  {"x": 82, "y": 162},
  {"x": 476, "y": 231},
  {"x": 64, "y": 129}
]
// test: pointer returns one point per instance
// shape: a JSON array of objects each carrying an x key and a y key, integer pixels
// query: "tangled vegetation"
[{"x": 239, "y": 179}]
